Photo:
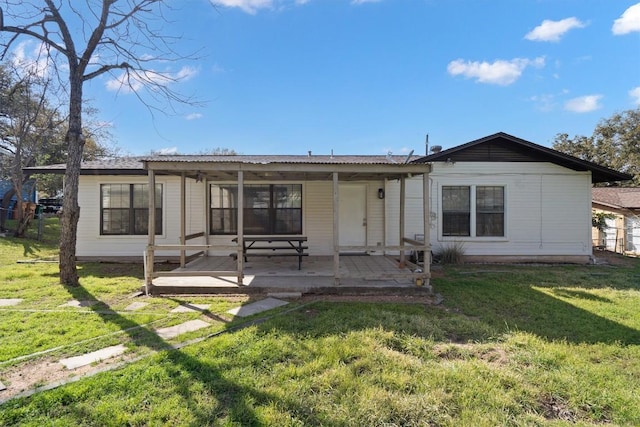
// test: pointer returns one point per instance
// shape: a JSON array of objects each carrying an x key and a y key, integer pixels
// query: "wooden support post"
[
  {"x": 151, "y": 232},
  {"x": 336, "y": 228},
  {"x": 240, "y": 256},
  {"x": 427, "y": 222},
  {"x": 402, "y": 209},
  {"x": 183, "y": 217}
]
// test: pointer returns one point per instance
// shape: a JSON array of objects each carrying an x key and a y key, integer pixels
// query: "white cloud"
[
  {"x": 167, "y": 151},
  {"x": 635, "y": 94},
  {"x": 193, "y": 116},
  {"x": 249, "y": 6},
  {"x": 364, "y": 1},
  {"x": 32, "y": 59},
  {"x": 500, "y": 72},
  {"x": 583, "y": 104},
  {"x": 628, "y": 22},
  {"x": 551, "y": 31}
]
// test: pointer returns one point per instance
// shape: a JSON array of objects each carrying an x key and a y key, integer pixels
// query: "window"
[
  {"x": 489, "y": 211},
  {"x": 124, "y": 209},
  {"x": 456, "y": 211},
  {"x": 462, "y": 217},
  {"x": 268, "y": 209}
]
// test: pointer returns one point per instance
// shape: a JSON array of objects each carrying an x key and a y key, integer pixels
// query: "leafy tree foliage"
[{"x": 615, "y": 143}]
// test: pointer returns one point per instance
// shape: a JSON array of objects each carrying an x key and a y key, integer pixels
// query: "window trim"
[
  {"x": 160, "y": 207},
  {"x": 473, "y": 202}
]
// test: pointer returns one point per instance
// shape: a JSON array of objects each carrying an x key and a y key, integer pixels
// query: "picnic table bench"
[{"x": 268, "y": 246}]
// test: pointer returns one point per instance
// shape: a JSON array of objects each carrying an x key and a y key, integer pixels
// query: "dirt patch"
[
  {"x": 556, "y": 408},
  {"x": 400, "y": 299},
  {"x": 29, "y": 376},
  {"x": 612, "y": 258},
  {"x": 454, "y": 351}
]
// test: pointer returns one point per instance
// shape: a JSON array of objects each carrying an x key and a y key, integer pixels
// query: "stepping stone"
[
  {"x": 6, "y": 302},
  {"x": 78, "y": 304},
  {"x": 189, "y": 308},
  {"x": 2, "y": 387},
  {"x": 96, "y": 356},
  {"x": 174, "y": 331},
  {"x": 136, "y": 306},
  {"x": 257, "y": 307}
]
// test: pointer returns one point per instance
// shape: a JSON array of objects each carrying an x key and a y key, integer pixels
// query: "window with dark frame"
[
  {"x": 457, "y": 213},
  {"x": 269, "y": 209},
  {"x": 124, "y": 209},
  {"x": 489, "y": 211}
]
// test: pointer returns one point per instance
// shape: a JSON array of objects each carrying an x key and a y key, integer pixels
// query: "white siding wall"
[
  {"x": 317, "y": 217},
  {"x": 547, "y": 208},
  {"x": 90, "y": 243},
  {"x": 414, "y": 223}
]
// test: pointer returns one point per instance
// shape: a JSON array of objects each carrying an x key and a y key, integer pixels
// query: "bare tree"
[
  {"x": 125, "y": 36},
  {"x": 27, "y": 124}
]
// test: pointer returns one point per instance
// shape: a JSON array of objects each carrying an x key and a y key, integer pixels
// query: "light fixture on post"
[{"x": 380, "y": 193}]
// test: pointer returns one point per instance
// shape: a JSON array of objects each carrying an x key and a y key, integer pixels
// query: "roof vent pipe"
[{"x": 309, "y": 153}]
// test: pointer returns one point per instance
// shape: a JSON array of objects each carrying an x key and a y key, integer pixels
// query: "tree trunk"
[
  {"x": 70, "y": 208},
  {"x": 4, "y": 208}
]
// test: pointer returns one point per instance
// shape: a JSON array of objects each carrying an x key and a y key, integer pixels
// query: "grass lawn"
[{"x": 510, "y": 345}]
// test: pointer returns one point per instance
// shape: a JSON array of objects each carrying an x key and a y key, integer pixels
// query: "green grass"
[{"x": 510, "y": 345}]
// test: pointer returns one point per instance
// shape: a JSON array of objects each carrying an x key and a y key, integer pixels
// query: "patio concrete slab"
[
  {"x": 257, "y": 307},
  {"x": 285, "y": 294},
  {"x": 174, "y": 331},
  {"x": 96, "y": 356},
  {"x": 190, "y": 308},
  {"x": 78, "y": 304},
  {"x": 6, "y": 302},
  {"x": 136, "y": 306}
]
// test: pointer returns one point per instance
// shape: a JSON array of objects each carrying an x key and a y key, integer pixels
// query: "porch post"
[
  {"x": 402, "y": 206},
  {"x": 240, "y": 226},
  {"x": 207, "y": 213},
  {"x": 183, "y": 216},
  {"x": 336, "y": 227},
  {"x": 427, "y": 222},
  {"x": 151, "y": 226}
]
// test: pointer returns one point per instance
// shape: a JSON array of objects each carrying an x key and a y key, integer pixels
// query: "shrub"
[{"x": 451, "y": 254}]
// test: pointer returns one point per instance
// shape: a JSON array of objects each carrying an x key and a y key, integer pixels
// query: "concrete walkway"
[
  {"x": 93, "y": 357},
  {"x": 257, "y": 307},
  {"x": 6, "y": 302},
  {"x": 174, "y": 331}
]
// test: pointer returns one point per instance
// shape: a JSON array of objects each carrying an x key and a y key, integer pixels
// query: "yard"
[{"x": 509, "y": 345}]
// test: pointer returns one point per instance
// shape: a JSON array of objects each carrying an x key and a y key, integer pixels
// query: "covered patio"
[{"x": 210, "y": 262}]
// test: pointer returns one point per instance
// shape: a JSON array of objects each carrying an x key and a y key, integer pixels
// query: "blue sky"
[{"x": 368, "y": 77}]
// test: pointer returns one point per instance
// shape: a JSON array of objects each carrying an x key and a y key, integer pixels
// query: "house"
[
  {"x": 504, "y": 199},
  {"x": 207, "y": 207},
  {"x": 500, "y": 197},
  {"x": 622, "y": 232}
]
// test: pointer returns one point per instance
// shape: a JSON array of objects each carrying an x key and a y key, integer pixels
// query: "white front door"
[{"x": 353, "y": 214}]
